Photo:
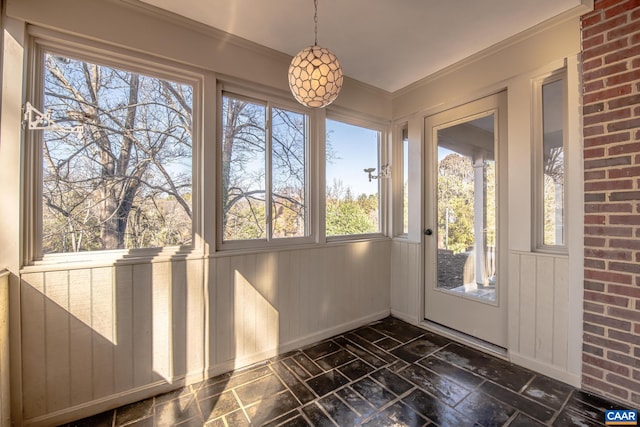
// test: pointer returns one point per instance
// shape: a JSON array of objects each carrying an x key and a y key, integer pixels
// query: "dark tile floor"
[{"x": 388, "y": 373}]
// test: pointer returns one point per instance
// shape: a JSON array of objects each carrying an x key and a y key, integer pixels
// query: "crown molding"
[{"x": 585, "y": 7}]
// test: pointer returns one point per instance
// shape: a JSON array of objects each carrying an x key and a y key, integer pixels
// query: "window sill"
[
  {"x": 554, "y": 251},
  {"x": 331, "y": 242},
  {"x": 74, "y": 261},
  {"x": 357, "y": 238}
]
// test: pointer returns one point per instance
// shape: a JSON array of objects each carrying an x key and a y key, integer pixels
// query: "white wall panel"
[
  {"x": 192, "y": 330},
  {"x": 34, "y": 370},
  {"x": 561, "y": 329},
  {"x": 123, "y": 356},
  {"x": 57, "y": 340},
  {"x": 80, "y": 335},
  {"x": 406, "y": 282},
  {"x": 97, "y": 335},
  {"x": 142, "y": 325},
  {"x": 513, "y": 295},
  {"x": 544, "y": 284},
  {"x": 221, "y": 311},
  {"x": 538, "y": 314},
  {"x": 102, "y": 325},
  {"x": 265, "y": 303},
  {"x": 5, "y": 384},
  {"x": 544, "y": 294}
]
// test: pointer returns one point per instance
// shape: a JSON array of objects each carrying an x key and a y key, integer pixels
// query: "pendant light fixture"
[{"x": 315, "y": 74}]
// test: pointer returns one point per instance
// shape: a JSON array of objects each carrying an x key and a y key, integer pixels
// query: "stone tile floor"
[{"x": 388, "y": 373}]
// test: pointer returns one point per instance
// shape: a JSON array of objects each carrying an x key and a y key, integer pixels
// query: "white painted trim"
[
  {"x": 295, "y": 344},
  {"x": 382, "y": 127},
  {"x": 493, "y": 326},
  {"x": 575, "y": 209},
  {"x": 44, "y": 40},
  {"x": 492, "y": 50},
  {"x": 104, "y": 404},
  {"x": 540, "y": 254},
  {"x": 546, "y": 369},
  {"x": 269, "y": 99},
  {"x": 406, "y": 317},
  {"x": 396, "y": 148},
  {"x": 537, "y": 146},
  {"x": 5, "y": 367}
]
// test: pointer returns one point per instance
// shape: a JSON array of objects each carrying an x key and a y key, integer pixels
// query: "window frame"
[
  {"x": 270, "y": 99},
  {"x": 42, "y": 41},
  {"x": 384, "y": 185},
  {"x": 538, "y": 228},
  {"x": 398, "y": 169}
]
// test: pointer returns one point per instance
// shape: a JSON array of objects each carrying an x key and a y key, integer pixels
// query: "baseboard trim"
[
  {"x": 405, "y": 317},
  {"x": 552, "y": 371},
  {"x": 301, "y": 342},
  {"x": 133, "y": 395},
  {"x": 103, "y": 404}
]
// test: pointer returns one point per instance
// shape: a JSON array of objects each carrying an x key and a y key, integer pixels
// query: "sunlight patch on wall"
[
  {"x": 256, "y": 320},
  {"x": 360, "y": 250}
]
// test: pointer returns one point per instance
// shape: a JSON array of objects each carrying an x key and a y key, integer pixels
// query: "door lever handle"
[{"x": 428, "y": 232}]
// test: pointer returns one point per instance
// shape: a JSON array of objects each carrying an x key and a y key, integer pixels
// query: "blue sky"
[{"x": 355, "y": 149}]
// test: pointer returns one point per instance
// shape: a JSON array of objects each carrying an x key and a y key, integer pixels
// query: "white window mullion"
[{"x": 268, "y": 196}]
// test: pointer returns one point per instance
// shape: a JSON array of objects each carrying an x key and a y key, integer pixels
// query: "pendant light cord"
[{"x": 315, "y": 21}]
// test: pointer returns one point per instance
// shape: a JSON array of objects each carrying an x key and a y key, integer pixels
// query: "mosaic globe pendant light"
[{"x": 315, "y": 74}]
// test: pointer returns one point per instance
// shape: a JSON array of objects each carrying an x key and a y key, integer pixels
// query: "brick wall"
[{"x": 611, "y": 107}]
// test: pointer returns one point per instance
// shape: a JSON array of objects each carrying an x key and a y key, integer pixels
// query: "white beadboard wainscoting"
[
  {"x": 406, "y": 280},
  {"x": 543, "y": 326},
  {"x": 96, "y": 337},
  {"x": 541, "y": 322},
  {"x": 5, "y": 383}
]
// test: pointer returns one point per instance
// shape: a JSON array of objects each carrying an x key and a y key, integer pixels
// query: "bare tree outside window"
[
  {"x": 253, "y": 133},
  {"x": 288, "y": 153},
  {"x": 553, "y": 163},
  {"x": 126, "y": 181}
]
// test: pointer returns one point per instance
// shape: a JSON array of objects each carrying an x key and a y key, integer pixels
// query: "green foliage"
[
  {"x": 349, "y": 216},
  {"x": 456, "y": 196},
  {"x": 455, "y": 192},
  {"x": 244, "y": 221}
]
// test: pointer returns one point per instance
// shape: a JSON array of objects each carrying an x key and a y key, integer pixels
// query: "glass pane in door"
[{"x": 466, "y": 209}]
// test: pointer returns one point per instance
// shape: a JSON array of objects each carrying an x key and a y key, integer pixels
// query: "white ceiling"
[{"x": 385, "y": 43}]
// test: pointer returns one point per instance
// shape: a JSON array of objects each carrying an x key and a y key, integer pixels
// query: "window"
[
  {"x": 352, "y": 194},
  {"x": 400, "y": 171},
  {"x": 551, "y": 163},
  {"x": 264, "y": 171},
  {"x": 405, "y": 180},
  {"x": 124, "y": 181}
]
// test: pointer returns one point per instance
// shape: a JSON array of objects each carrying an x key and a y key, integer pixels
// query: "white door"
[{"x": 465, "y": 219}]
